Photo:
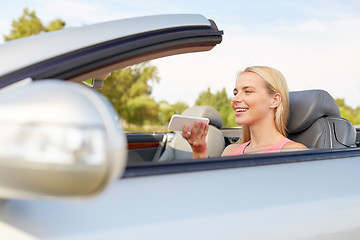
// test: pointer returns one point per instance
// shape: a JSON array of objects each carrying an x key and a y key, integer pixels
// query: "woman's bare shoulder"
[
  {"x": 295, "y": 145},
  {"x": 229, "y": 149}
]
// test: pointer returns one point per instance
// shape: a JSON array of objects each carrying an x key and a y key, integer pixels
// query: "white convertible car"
[{"x": 67, "y": 170}]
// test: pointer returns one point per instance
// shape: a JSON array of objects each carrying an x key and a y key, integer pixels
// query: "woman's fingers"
[
  {"x": 195, "y": 129},
  {"x": 185, "y": 132},
  {"x": 205, "y": 130},
  {"x": 197, "y": 134}
]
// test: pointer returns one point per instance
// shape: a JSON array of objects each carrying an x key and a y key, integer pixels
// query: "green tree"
[
  {"x": 166, "y": 110},
  {"x": 54, "y": 25},
  {"x": 29, "y": 24},
  {"x": 179, "y": 107},
  {"x": 357, "y": 118},
  {"x": 142, "y": 109},
  {"x": 205, "y": 98},
  {"x": 347, "y": 112},
  {"x": 128, "y": 89},
  {"x": 221, "y": 102}
]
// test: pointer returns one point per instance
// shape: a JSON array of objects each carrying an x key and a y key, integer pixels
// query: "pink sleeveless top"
[{"x": 274, "y": 148}]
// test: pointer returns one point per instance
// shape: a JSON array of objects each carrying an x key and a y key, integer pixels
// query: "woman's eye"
[
  {"x": 248, "y": 91},
  {"x": 235, "y": 93}
]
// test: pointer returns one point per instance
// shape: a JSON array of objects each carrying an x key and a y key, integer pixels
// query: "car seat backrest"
[
  {"x": 178, "y": 148},
  {"x": 315, "y": 121},
  {"x": 205, "y": 111}
]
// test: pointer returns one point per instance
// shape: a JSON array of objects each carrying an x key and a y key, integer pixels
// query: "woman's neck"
[{"x": 264, "y": 133}]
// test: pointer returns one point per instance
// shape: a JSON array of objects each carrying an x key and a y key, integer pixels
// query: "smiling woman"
[{"x": 261, "y": 104}]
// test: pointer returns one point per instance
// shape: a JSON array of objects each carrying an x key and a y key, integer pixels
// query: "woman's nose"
[{"x": 236, "y": 98}]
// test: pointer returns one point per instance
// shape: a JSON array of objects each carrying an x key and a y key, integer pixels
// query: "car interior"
[
  {"x": 178, "y": 148},
  {"x": 315, "y": 121}
]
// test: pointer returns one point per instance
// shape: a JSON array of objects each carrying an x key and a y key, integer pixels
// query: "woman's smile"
[{"x": 240, "y": 110}]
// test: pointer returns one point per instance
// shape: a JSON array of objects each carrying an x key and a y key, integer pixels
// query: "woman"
[{"x": 261, "y": 105}]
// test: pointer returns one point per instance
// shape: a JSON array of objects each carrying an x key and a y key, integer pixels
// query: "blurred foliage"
[
  {"x": 166, "y": 110},
  {"x": 29, "y": 24},
  {"x": 140, "y": 109},
  {"x": 221, "y": 102},
  {"x": 129, "y": 91},
  {"x": 347, "y": 112}
]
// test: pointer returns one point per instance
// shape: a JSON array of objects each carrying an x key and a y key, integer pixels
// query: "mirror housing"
[{"x": 58, "y": 139}]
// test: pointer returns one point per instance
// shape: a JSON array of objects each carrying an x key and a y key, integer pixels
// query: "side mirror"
[{"x": 58, "y": 139}]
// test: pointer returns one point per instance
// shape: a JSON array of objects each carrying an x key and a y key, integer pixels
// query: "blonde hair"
[{"x": 275, "y": 83}]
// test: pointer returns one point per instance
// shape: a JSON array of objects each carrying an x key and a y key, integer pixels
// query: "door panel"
[
  {"x": 143, "y": 148},
  {"x": 304, "y": 200}
]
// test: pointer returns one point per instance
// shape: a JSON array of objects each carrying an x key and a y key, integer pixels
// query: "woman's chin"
[{"x": 240, "y": 122}]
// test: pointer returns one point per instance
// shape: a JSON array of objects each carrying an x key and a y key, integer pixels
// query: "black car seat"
[
  {"x": 315, "y": 121},
  {"x": 179, "y": 148}
]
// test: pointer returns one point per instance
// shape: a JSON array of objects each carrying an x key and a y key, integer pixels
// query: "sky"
[{"x": 314, "y": 43}]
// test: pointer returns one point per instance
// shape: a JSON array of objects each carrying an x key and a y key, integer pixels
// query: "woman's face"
[{"x": 252, "y": 102}]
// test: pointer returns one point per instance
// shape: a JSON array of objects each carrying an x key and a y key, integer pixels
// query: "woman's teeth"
[{"x": 241, "y": 109}]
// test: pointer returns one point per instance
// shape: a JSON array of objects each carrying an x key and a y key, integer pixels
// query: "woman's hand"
[{"x": 197, "y": 138}]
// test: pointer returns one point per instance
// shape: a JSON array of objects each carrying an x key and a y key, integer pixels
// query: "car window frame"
[
  {"x": 241, "y": 161},
  {"x": 108, "y": 56}
]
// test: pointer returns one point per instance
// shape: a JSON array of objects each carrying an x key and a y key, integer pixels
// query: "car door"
[
  {"x": 146, "y": 147},
  {"x": 269, "y": 196}
]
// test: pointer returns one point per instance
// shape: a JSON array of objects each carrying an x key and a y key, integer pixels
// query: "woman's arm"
[{"x": 197, "y": 139}]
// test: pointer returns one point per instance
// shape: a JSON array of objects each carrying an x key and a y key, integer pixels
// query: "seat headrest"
[
  {"x": 205, "y": 111},
  {"x": 308, "y": 106}
]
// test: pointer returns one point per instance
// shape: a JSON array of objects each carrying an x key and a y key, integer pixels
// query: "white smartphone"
[{"x": 177, "y": 122}]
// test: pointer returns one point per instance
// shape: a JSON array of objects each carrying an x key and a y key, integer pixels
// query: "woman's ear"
[{"x": 276, "y": 100}]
